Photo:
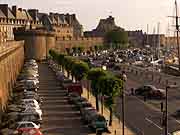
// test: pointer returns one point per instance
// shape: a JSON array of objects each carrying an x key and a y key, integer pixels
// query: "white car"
[
  {"x": 30, "y": 105},
  {"x": 33, "y": 110},
  {"x": 28, "y": 101},
  {"x": 27, "y": 124}
]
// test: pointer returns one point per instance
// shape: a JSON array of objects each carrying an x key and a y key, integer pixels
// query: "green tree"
[
  {"x": 117, "y": 37},
  {"x": 80, "y": 49},
  {"x": 96, "y": 48},
  {"x": 74, "y": 49},
  {"x": 110, "y": 87},
  {"x": 101, "y": 47},
  {"x": 68, "y": 63},
  {"x": 80, "y": 70},
  {"x": 68, "y": 51},
  {"x": 91, "y": 48},
  {"x": 60, "y": 61},
  {"x": 53, "y": 54},
  {"x": 94, "y": 74}
]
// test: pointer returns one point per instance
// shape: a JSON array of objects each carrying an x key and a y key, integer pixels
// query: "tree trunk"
[
  {"x": 97, "y": 103},
  {"x": 102, "y": 103},
  {"x": 110, "y": 116},
  {"x": 72, "y": 77}
]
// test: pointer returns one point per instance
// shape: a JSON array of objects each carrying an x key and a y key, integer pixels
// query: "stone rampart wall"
[
  {"x": 62, "y": 44},
  {"x": 11, "y": 62}
]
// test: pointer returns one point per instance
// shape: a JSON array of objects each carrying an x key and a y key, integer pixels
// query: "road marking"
[
  {"x": 150, "y": 121},
  {"x": 177, "y": 121}
]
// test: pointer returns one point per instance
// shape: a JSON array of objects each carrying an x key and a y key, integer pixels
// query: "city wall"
[
  {"x": 11, "y": 62},
  {"x": 37, "y": 43},
  {"x": 62, "y": 44}
]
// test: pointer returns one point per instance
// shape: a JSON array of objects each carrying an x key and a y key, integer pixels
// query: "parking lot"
[{"x": 59, "y": 117}]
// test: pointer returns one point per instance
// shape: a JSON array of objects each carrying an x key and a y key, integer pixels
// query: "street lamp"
[
  {"x": 166, "y": 105},
  {"x": 102, "y": 96},
  {"x": 123, "y": 102}
]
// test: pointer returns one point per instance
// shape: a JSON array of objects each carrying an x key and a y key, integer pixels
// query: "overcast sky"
[{"x": 129, "y": 14}]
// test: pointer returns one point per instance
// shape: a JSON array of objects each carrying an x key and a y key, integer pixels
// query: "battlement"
[{"x": 81, "y": 39}]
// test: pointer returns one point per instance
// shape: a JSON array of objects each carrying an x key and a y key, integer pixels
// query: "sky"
[{"x": 129, "y": 14}]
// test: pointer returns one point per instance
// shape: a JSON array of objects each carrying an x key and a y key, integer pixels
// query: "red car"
[{"x": 29, "y": 128}]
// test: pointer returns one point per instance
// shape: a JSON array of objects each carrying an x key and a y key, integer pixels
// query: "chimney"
[
  {"x": 68, "y": 18},
  {"x": 14, "y": 11},
  {"x": 73, "y": 16},
  {"x": 20, "y": 9},
  {"x": 33, "y": 13},
  {"x": 4, "y": 9}
]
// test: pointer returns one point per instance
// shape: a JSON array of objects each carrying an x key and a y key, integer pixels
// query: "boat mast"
[{"x": 177, "y": 33}]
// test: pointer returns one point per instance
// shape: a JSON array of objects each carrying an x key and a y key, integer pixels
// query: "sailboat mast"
[{"x": 177, "y": 33}]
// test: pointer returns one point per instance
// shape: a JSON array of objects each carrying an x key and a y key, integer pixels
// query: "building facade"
[
  {"x": 14, "y": 17},
  {"x": 104, "y": 26}
]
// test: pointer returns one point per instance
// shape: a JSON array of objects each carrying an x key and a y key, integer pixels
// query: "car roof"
[{"x": 25, "y": 122}]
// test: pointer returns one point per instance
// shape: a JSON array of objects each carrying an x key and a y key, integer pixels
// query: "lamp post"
[
  {"x": 123, "y": 102},
  {"x": 166, "y": 105},
  {"x": 166, "y": 112},
  {"x": 102, "y": 96}
]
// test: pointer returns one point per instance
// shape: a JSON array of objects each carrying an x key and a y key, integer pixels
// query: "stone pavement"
[{"x": 116, "y": 124}]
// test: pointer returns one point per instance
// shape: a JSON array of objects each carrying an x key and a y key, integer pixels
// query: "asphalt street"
[{"x": 142, "y": 117}]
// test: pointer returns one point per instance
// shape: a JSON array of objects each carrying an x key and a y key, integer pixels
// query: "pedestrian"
[{"x": 124, "y": 77}]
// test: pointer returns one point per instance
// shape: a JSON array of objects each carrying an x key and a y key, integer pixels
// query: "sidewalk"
[{"x": 116, "y": 124}]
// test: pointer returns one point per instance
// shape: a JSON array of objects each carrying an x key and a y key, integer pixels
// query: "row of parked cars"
[
  {"x": 88, "y": 113},
  {"x": 24, "y": 114}
]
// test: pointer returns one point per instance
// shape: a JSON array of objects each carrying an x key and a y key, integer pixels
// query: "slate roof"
[
  {"x": 29, "y": 16},
  {"x": 2, "y": 14},
  {"x": 10, "y": 15},
  {"x": 53, "y": 20},
  {"x": 62, "y": 17}
]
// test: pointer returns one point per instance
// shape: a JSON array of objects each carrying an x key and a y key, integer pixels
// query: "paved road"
[
  {"x": 59, "y": 117},
  {"x": 142, "y": 117}
]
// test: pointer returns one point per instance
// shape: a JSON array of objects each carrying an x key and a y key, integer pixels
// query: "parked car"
[
  {"x": 83, "y": 104},
  {"x": 74, "y": 100},
  {"x": 27, "y": 127},
  {"x": 32, "y": 110},
  {"x": 150, "y": 91},
  {"x": 176, "y": 114},
  {"x": 33, "y": 117}
]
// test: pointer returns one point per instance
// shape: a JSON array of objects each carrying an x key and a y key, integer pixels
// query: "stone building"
[
  {"x": 57, "y": 23},
  {"x": 73, "y": 22},
  {"x": 136, "y": 38},
  {"x": 65, "y": 25},
  {"x": 104, "y": 26},
  {"x": 14, "y": 17},
  {"x": 153, "y": 40}
]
